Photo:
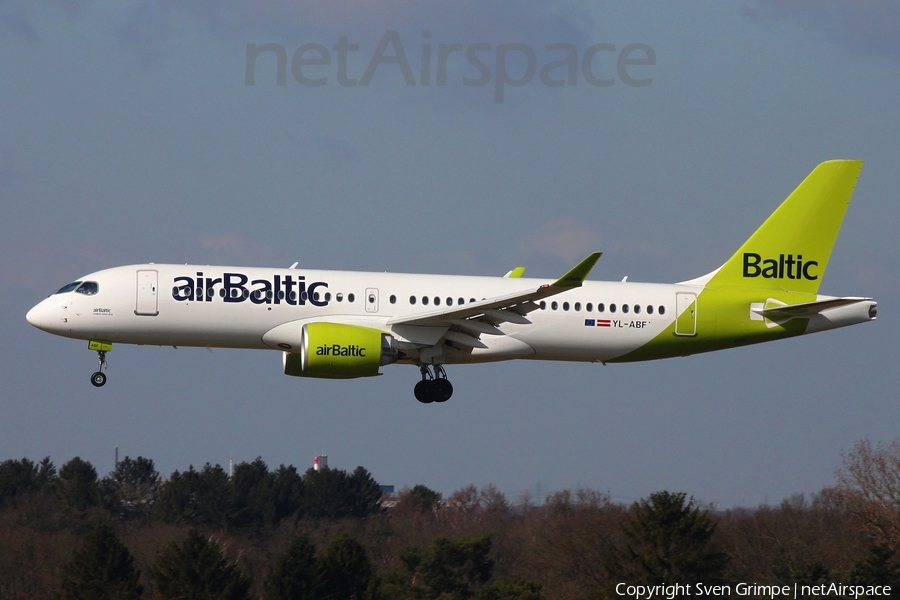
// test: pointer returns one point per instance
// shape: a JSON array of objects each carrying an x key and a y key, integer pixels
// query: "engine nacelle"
[{"x": 338, "y": 351}]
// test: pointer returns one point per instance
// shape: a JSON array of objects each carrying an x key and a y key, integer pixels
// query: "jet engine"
[{"x": 339, "y": 351}]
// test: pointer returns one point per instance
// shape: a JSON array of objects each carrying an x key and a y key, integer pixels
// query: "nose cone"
[{"x": 39, "y": 316}]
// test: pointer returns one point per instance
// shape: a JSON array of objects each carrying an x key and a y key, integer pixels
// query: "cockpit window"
[
  {"x": 88, "y": 288},
  {"x": 68, "y": 288}
]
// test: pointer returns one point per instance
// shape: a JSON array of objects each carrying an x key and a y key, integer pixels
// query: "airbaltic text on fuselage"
[
  {"x": 237, "y": 287},
  {"x": 784, "y": 266}
]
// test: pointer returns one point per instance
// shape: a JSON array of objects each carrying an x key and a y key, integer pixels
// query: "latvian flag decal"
[{"x": 596, "y": 322}]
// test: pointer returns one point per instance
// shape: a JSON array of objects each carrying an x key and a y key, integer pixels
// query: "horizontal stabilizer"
[{"x": 807, "y": 309}]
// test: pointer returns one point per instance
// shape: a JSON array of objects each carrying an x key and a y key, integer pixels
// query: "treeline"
[{"x": 279, "y": 534}]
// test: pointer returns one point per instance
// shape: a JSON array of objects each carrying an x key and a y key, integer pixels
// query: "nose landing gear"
[
  {"x": 434, "y": 387},
  {"x": 98, "y": 379}
]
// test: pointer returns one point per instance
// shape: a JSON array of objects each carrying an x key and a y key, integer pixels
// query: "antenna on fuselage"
[{"x": 294, "y": 266}]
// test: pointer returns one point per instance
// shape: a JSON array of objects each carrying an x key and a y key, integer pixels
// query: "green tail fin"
[{"x": 790, "y": 251}]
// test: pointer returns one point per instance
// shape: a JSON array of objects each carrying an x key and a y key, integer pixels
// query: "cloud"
[
  {"x": 17, "y": 16},
  {"x": 566, "y": 238},
  {"x": 233, "y": 247},
  {"x": 865, "y": 26}
]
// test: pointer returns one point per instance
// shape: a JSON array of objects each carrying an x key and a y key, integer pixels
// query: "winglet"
[
  {"x": 579, "y": 272},
  {"x": 516, "y": 273}
]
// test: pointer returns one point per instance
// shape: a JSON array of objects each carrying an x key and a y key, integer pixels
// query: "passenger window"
[
  {"x": 543, "y": 305},
  {"x": 662, "y": 310},
  {"x": 437, "y": 301},
  {"x": 554, "y": 305},
  {"x": 449, "y": 301},
  {"x": 589, "y": 307},
  {"x": 612, "y": 308},
  {"x": 393, "y": 299},
  {"x": 650, "y": 309},
  {"x": 624, "y": 308},
  {"x": 68, "y": 288},
  {"x": 565, "y": 306},
  {"x": 577, "y": 306},
  {"x": 350, "y": 297},
  {"x": 601, "y": 307},
  {"x": 327, "y": 296},
  {"x": 461, "y": 301},
  {"x": 412, "y": 299},
  {"x": 88, "y": 288},
  {"x": 425, "y": 300},
  {"x": 339, "y": 297},
  {"x": 637, "y": 309}
]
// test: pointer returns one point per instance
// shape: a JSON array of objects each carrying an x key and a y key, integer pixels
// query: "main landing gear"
[
  {"x": 99, "y": 378},
  {"x": 434, "y": 387}
]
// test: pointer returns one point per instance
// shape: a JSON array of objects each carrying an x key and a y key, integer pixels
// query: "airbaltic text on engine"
[
  {"x": 338, "y": 350},
  {"x": 233, "y": 287},
  {"x": 783, "y": 267}
]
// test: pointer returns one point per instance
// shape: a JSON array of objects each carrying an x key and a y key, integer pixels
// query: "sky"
[{"x": 133, "y": 132}]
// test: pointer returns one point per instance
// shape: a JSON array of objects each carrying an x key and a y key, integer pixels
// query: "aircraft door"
[
  {"x": 147, "y": 288},
  {"x": 685, "y": 314},
  {"x": 372, "y": 300}
]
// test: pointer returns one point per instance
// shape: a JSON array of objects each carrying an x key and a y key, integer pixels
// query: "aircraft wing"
[{"x": 484, "y": 316}]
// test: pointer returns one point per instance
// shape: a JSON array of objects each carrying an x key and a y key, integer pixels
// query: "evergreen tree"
[
  {"x": 458, "y": 568},
  {"x": 668, "y": 541},
  {"x": 101, "y": 569},
  {"x": 199, "y": 498},
  {"x": 419, "y": 500},
  {"x": 18, "y": 478},
  {"x": 335, "y": 494},
  {"x": 365, "y": 492},
  {"x": 252, "y": 495},
  {"x": 510, "y": 588},
  {"x": 131, "y": 490},
  {"x": 344, "y": 570},
  {"x": 879, "y": 567},
  {"x": 287, "y": 492},
  {"x": 78, "y": 484},
  {"x": 294, "y": 574},
  {"x": 198, "y": 569}
]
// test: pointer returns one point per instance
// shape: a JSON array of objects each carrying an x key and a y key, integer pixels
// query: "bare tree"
[{"x": 868, "y": 485}]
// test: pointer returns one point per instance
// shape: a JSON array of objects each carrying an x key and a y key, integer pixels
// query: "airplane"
[{"x": 345, "y": 324}]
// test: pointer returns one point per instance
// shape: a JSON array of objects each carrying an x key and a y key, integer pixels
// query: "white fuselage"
[{"x": 240, "y": 307}]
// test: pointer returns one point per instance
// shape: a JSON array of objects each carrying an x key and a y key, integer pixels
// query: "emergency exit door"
[
  {"x": 685, "y": 314},
  {"x": 147, "y": 292}
]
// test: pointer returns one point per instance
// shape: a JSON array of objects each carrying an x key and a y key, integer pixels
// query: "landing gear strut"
[
  {"x": 99, "y": 378},
  {"x": 434, "y": 387}
]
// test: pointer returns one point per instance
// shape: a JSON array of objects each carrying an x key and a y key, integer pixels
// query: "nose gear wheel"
[{"x": 98, "y": 379}]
